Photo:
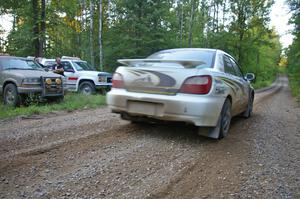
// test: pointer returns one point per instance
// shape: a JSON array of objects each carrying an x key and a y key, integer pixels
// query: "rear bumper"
[{"x": 200, "y": 110}]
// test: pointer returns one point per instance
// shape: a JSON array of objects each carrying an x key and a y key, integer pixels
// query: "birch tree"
[
  {"x": 91, "y": 32},
  {"x": 100, "y": 35}
]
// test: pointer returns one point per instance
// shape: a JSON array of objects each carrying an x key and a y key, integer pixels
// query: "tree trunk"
[
  {"x": 191, "y": 23},
  {"x": 100, "y": 35},
  {"x": 181, "y": 23},
  {"x": 91, "y": 32},
  {"x": 43, "y": 29},
  {"x": 36, "y": 42}
]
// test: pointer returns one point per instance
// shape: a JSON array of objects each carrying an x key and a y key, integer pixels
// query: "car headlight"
[
  {"x": 48, "y": 81},
  {"x": 102, "y": 78},
  {"x": 31, "y": 81},
  {"x": 58, "y": 81}
]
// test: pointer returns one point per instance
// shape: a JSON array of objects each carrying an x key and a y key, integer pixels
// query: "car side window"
[
  {"x": 236, "y": 68},
  {"x": 220, "y": 61},
  {"x": 67, "y": 66},
  {"x": 228, "y": 66}
]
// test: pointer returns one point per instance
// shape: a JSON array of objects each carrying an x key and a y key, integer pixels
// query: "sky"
[{"x": 279, "y": 18}]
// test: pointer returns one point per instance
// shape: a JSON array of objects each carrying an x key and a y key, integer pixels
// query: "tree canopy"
[{"x": 137, "y": 28}]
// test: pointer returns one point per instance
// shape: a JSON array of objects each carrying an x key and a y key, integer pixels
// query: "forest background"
[{"x": 102, "y": 31}]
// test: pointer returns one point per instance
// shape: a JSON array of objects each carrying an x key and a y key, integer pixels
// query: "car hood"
[
  {"x": 31, "y": 73},
  {"x": 93, "y": 73}
]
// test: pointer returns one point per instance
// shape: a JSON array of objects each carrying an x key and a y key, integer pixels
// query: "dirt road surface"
[{"x": 94, "y": 154}]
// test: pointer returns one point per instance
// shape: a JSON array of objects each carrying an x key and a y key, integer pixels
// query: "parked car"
[
  {"x": 82, "y": 77},
  {"x": 21, "y": 77},
  {"x": 204, "y": 87},
  {"x": 48, "y": 63}
]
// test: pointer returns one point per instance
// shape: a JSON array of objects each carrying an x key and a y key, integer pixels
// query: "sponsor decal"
[
  {"x": 149, "y": 78},
  {"x": 235, "y": 86}
]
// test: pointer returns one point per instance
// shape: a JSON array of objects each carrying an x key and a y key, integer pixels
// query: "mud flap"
[{"x": 211, "y": 132}]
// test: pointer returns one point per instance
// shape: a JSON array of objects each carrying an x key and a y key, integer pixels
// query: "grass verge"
[
  {"x": 294, "y": 81},
  {"x": 72, "y": 101},
  {"x": 264, "y": 81}
]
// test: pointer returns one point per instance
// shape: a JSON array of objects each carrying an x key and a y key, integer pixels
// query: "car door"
[
  {"x": 245, "y": 84},
  {"x": 70, "y": 75},
  {"x": 235, "y": 83}
]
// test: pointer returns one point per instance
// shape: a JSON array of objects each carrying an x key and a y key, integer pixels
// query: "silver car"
[{"x": 203, "y": 87}]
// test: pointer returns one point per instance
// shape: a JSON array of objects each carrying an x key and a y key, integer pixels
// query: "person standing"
[{"x": 58, "y": 67}]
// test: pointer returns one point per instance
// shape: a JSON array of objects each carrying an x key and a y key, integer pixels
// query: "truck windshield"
[
  {"x": 18, "y": 64},
  {"x": 83, "y": 66}
]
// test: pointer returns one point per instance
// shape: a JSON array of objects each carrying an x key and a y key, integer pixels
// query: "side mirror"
[
  {"x": 250, "y": 77},
  {"x": 70, "y": 70}
]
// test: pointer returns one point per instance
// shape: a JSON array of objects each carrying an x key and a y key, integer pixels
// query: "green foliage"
[
  {"x": 293, "y": 51},
  {"x": 137, "y": 28},
  {"x": 72, "y": 101}
]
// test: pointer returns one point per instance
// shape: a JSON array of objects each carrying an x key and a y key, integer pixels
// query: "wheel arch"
[
  {"x": 8, "y": 82},
  {"x": 85, "y": 80}
]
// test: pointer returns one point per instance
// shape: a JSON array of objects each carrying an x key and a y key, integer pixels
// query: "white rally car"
[
  {"x": 204, "y": 87},
  {"x": 80, "y": 76}
]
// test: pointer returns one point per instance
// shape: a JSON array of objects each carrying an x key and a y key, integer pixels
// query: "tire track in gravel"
[{"x": 146, "y": 160}]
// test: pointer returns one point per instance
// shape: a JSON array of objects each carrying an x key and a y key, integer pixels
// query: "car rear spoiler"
[{"x": 186, "y": 63}]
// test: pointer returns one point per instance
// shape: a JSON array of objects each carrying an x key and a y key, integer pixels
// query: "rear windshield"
[{"x": 206, "y": 56}]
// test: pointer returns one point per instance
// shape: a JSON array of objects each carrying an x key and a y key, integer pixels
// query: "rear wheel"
[
  {"x": 87, "y": 88},
  {"x": 225, "y": 119},
  {"x": 11, "y": 96}
]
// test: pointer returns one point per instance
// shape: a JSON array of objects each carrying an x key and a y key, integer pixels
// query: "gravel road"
[{"x": 94, "y": 154}]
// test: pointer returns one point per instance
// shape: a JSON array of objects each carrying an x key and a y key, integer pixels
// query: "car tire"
[
  {"x": 225, "y": 119},
  {"x": 249, "y": 109},
  {"x": 87, "y": 88},
  {"x": 11, "y": 96}
]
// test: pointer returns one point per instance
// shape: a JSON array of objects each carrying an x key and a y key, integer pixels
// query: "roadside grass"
[
  {"x": 294, "y": 81},
  {"x": 264, "y": 80},
  {"x": 72, "y": 101}
]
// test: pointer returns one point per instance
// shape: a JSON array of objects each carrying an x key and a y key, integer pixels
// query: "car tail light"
[
  {"x": 197, "y": 85},
  {"x": 117, "y": 81}
]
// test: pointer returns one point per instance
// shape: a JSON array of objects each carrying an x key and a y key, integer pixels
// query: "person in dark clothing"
[{"x": 58, "y": 67}]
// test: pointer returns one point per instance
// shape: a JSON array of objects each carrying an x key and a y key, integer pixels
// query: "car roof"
[{"x": 194, "y": 49}]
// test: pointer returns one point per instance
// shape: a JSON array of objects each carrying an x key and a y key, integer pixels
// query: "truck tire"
[
  {"x": 87, "y": 88},
  {"x": 11, "y": 96}
]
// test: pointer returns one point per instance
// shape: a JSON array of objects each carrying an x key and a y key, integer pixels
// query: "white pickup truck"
[{"x": 81, "y": 77}]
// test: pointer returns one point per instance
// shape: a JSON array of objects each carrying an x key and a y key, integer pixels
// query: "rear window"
[{"x": 206, "y": 56}]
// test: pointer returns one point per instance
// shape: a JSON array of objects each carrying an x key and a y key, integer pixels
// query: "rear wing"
[{"x": 183, "y": 62}]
